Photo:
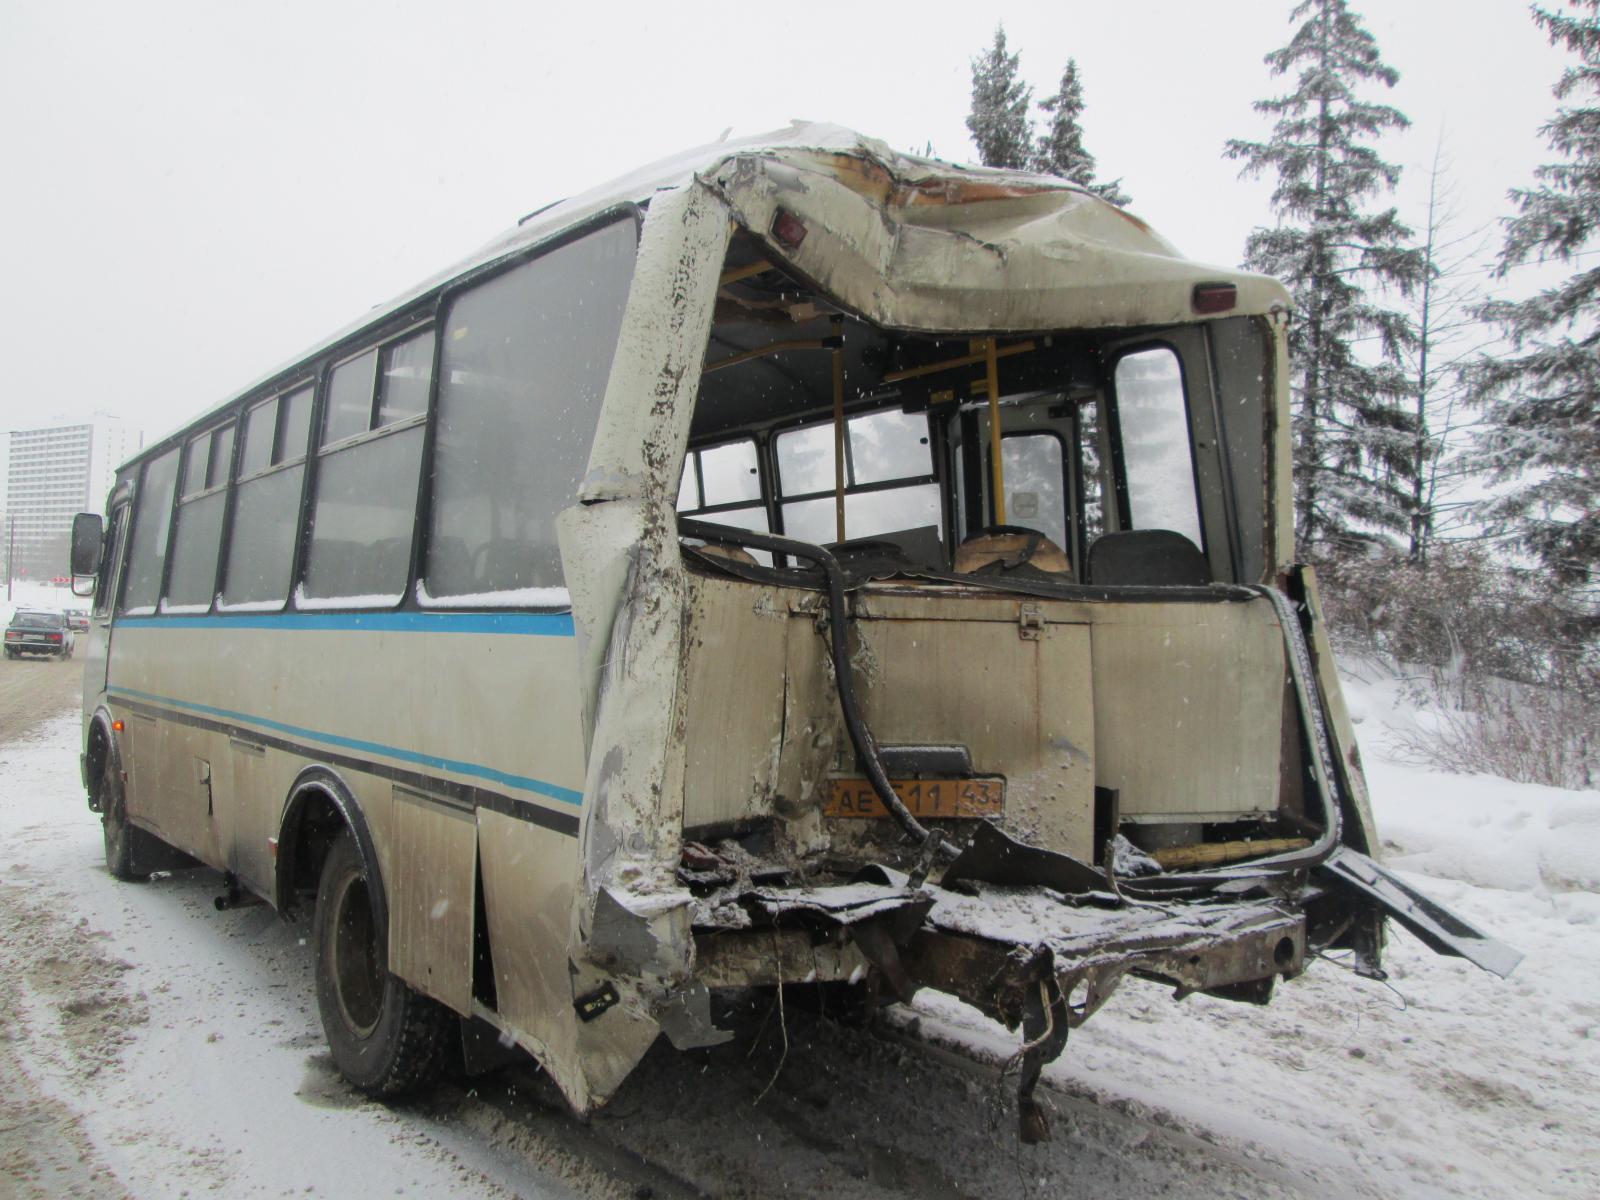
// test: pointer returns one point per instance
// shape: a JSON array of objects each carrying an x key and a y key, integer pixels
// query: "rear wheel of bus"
[{"x": 386, "y": 1039}]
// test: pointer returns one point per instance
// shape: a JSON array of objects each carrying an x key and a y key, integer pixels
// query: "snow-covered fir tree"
[
  {"x": 1542, "y": 399},
  {"x": 999, "y": 121},
  {"x": 1061, "y": 150},
  {"x": 1332, "y": 247}
]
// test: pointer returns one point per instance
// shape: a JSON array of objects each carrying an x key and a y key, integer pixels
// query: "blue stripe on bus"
[
  {"x": 534, "y": 624},
  {"x": 526, "y": 783}
]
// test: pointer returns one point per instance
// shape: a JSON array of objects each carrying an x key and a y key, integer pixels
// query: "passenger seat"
[
  {"x": 1006, "y": 547},
  {"x": 1147, "y": 557}
]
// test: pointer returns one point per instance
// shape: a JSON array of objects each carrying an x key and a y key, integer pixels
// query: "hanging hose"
[{"x": 932, "y": 842}]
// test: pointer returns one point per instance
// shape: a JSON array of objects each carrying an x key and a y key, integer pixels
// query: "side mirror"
[{"x": 87, "y": 533}]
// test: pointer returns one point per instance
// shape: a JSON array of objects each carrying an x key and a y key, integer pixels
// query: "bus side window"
[
  {"x": 722, "y": 484},
  {"x": 147, "y": 557},
  {"x": 889, "y": 482},
  {"x": 266, "y": 506},
  {"x": 523, "y": 368},
  {"x": 1036, "y": 492},
  {"x": 1157, "y": 457},
  {"x": 111, "y": 561},
  {"x": 364, "y": 514},
  {"x": 198, "y": 538}
]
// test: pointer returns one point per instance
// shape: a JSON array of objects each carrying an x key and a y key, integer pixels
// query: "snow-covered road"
[{"x": 152, "y": 1047}]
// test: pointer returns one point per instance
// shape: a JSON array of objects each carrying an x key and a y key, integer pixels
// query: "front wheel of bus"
[
  {"x": 114, "y": 827},
  {"x": 386, "y": 1039}
]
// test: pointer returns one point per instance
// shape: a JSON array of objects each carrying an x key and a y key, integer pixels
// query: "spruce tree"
[
  {"x": 999, "y": 121},
  {"x": 1061, "y": 151},
  {"x": 1351, "y": 431},
  {"x": 1542, "y": 400}
]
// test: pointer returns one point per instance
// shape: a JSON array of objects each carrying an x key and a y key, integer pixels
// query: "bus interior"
[{"x": 1083, "y": 417}]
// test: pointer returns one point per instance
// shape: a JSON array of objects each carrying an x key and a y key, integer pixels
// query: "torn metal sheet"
[
  {"x": 686, "y": 1019},
  {"x": 639, "y": 934},
  {"x": 842, "y": 904},
  {"x": 1439, "y": 929},
  {"x": 992, "y": 857}
]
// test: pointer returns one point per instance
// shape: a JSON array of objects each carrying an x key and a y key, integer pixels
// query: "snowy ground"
[{"x": 152, "y": 1047}]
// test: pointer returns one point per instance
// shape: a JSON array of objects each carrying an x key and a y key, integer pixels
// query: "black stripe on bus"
[{"x": 447, "y": 793}]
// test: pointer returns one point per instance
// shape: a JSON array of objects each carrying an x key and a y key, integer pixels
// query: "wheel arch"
[
  {"x": 99, "y": 740},
  {"x": 321, "y": 806}
]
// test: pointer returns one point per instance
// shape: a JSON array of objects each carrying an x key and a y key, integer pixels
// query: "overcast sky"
[{"x": 195, "y": 192}]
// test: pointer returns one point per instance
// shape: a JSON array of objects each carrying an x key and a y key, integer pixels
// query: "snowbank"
[{"x": 1477, "y": 829}]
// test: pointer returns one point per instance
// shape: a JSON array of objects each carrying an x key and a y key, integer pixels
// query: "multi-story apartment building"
[{"x": 52, "y": 474}]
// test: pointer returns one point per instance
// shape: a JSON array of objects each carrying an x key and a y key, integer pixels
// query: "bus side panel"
[
  {"x": 422, "y": 721},
  {"x": 256, "y": 779},
  {"x": 189, "y": 793},
  {"x": 528, "y": 879},
  {"x": 140, "y": 743},
  {"x": 432, "y": 859},
  {"x": 167, "y": 791}
]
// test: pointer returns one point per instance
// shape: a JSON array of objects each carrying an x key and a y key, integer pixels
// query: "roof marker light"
[
  {"x": 789, "y": 229},
  {"x": 1214, "y": 297}
]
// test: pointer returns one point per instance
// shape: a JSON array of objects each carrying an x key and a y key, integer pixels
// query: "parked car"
[{"x": 34, "y": 631}]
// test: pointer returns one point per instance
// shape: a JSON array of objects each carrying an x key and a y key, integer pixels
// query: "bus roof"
[{"x": 1116, "y": 243}]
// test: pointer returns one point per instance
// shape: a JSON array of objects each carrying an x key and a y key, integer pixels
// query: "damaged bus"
[{"x": 796, "y": 561}]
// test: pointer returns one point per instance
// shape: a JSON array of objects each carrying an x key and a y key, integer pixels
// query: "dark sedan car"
[{"x": 33, "y": 631}]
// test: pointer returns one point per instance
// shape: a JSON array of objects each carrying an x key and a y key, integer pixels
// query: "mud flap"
[{"x": 1437, "y": 927}]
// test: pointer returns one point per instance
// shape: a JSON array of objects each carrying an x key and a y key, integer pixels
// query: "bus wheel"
[
  {"x": 114, "y": 827},
  {"x": 386, "y": 1039}
]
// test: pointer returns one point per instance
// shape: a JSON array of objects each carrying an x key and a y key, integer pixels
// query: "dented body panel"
[{"x": 948, "y": 751}]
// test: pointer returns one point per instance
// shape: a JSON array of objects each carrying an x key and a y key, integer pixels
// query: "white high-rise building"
[{"x": 52, "y": 474}]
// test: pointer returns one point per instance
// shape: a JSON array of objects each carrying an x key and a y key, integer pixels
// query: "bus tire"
[
  {"x": 114, "y": 827},
  {"x": 386, "y": 1039}
]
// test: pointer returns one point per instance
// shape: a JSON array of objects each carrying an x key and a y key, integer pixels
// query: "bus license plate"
[{"x": 924, "y": 797}]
